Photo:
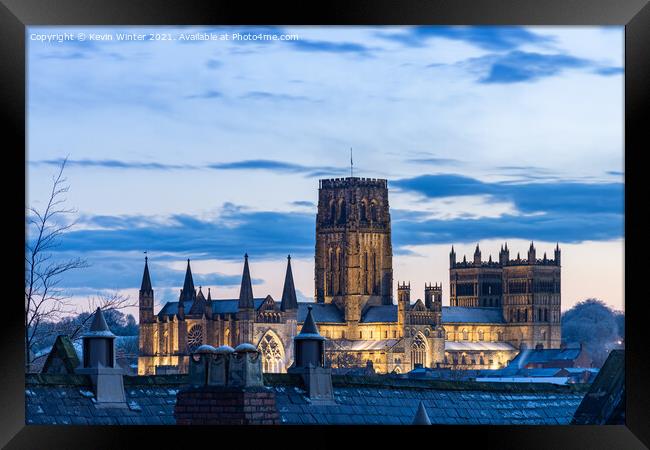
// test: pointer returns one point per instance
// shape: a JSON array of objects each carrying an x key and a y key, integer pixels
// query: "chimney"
[
  {"x": 99, "y": 364},
  {"x": 226, "y": 388},
  {"x": 309, "y": 362}
]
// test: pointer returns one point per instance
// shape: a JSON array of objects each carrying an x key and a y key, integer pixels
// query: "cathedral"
[{"x": 496, "y": 308}]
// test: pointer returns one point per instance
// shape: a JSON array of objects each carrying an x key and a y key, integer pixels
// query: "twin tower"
[{"x": 354, "y": 256}]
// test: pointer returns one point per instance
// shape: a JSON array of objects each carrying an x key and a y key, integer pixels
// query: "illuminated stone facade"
[{"x": 495, "y": 308}]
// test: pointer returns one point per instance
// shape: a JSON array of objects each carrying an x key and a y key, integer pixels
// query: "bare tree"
[
  {"x": 44, "y": 299},
  {"x": 105, "y": 302}
]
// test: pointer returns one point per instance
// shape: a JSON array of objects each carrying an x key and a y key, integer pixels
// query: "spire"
[
  {"x": 309, "y": 325},
  {"x": 477, "y": 249},
  {"x": 246, "y": 290},
  {"x": 421, "y": 416},
  {"x": 209, "y": 296},
  {"x": 188, "y": 292},
  {"x": 289, "y": 300},
  {"x": 146, "y": 279},
  {"x": 199, "y": 304},
  {"x": 99, "y": 322}
]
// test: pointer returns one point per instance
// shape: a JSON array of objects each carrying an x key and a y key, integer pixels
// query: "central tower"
[{"x": 354, "y": 256}]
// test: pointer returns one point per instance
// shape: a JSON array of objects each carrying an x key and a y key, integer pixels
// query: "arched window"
[
  {"x": 341, "y": 267},
  {"x": 272, "y": 351},
  {"x": 165, "y": 342},
  {"x": 418, "y": 351},
  {"x": 480, "y": 335},
  {"x": 194, "y": 337},
  {"x": 341, "y": 211},
  {"x": 333, "y": 211},
  {"x": 465, "y": 335},
  {"x": 499, "y": 335},
  {"x": 373, "y": 211},
  {"x": 362, "y": 211},
  {"x": 226, "y": 337}
]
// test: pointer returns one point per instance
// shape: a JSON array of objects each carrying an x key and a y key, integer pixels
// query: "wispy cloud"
[
  {"x": 255, "y": 164},
  {"x": 307, "y": 45},
  {"x": 518, "y": 66},
  {"x": 489, "y": 38},
  {"x": 210, "y": 94},
  {"x": 271, "y": 96},
  {"x": 548, "y": 197}
]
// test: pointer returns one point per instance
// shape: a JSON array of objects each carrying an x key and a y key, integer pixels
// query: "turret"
[
  {"x": 531, "y": 254},
  {"x": 403, "y": 302},
  {"x": 145, "y": 296},
  {"x": 452, "y": 258},
  {"x": 557, "y": 254},
  {"x": 289, "y": 300},
  {"x": 477, "y": 255},
  {"x": 504, "y": 255},
  {"x": 432, "y": 295}
]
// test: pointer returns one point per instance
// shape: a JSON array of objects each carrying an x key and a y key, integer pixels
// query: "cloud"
[
  {"x": 262, "y": 95},
  {"x": 548, "y": 197},
  {"x": 436, "y": 161},
  {"x": 256, "y": 164},
  {"x": 304, "y": 203},
  {"x": 112, "y": 164},
  {"x": 228, "y": 236},
  {"x": 518, "y": 66},
  {"x": 552, "y": 210},
  {"x": 485, "y": 37},
  {"x": 210, "y": 94},
  {"x": 213, "y": 64},
  {"x": 306, "y": 45}
]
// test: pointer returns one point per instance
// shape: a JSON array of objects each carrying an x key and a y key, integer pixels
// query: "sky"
[{"x": 210, "y": 148}]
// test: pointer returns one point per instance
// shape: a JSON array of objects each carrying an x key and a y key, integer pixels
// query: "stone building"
[{"x": 495, "y": 308}]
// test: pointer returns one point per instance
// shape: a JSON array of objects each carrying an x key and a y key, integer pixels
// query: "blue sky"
[{"x": 209, "y": 149}]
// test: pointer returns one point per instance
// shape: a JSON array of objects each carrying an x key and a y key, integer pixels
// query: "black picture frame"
[{"x": 15, "y": 15}]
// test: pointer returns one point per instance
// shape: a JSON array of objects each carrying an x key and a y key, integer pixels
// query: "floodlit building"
[{"x": 496, "y": 308}]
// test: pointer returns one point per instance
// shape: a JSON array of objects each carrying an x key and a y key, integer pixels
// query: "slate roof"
[
  {"x": 59, "y": 399},
  {"x": 225, "y": 306},
  {"x": 461, "y": 314},
  {"x": 322, "y": 312},
  {"x": 381, "y": 313},
  {"x": 358, "y": 345},
  {"x": 478, "y": 346},
  {"x": 545, "y": 355},
  {"x": 604, "y": 403}
]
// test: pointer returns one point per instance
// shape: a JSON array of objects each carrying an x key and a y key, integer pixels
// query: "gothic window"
[
  {"x": 418, "y": 351},
  {"x": 360, "y": 334},
  {"x": 480, "y": 335},
  {"x": 370, "y": 334},
  {"x": 394, "y": 333},
  {"x": 373, "y": 211},
  {"x": 385, "y": 334},
  {"x": 362, "y": 211},
  {"x": 341, "y": 272},
  {"x": 156, "y": 341},
  {"x": 499, "y": 335},
  {"x": 194, "y": 337},
  {"x": 165, "y": 343},
  {"x": 341, "y": 212},
  {"x": 546, "y": 315},
  {"x": 272, "y": 353},
  {"x": 333, "y": 211},
  {"x": 365, "y": 273},
  {"x": 465, "y": 335},
  {"x": 226, "y": 337}
]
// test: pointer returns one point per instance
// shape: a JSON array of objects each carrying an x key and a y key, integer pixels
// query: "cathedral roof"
[
  {"x": 322, "y": 313},
  {"x": 462, "y": 314},
  {"x": 381, "y": 313},
  {"x": 225, "y": 306},
  {"x": 462, "y": 346}
]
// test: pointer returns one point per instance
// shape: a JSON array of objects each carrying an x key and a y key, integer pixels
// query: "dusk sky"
[{"x": 210, "y": 149}]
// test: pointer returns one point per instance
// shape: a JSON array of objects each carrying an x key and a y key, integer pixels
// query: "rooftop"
[{"x": 68, "y": 399}]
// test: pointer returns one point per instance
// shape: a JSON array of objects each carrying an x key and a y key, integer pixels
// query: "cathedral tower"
[{"x": 354, "y": 257}]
